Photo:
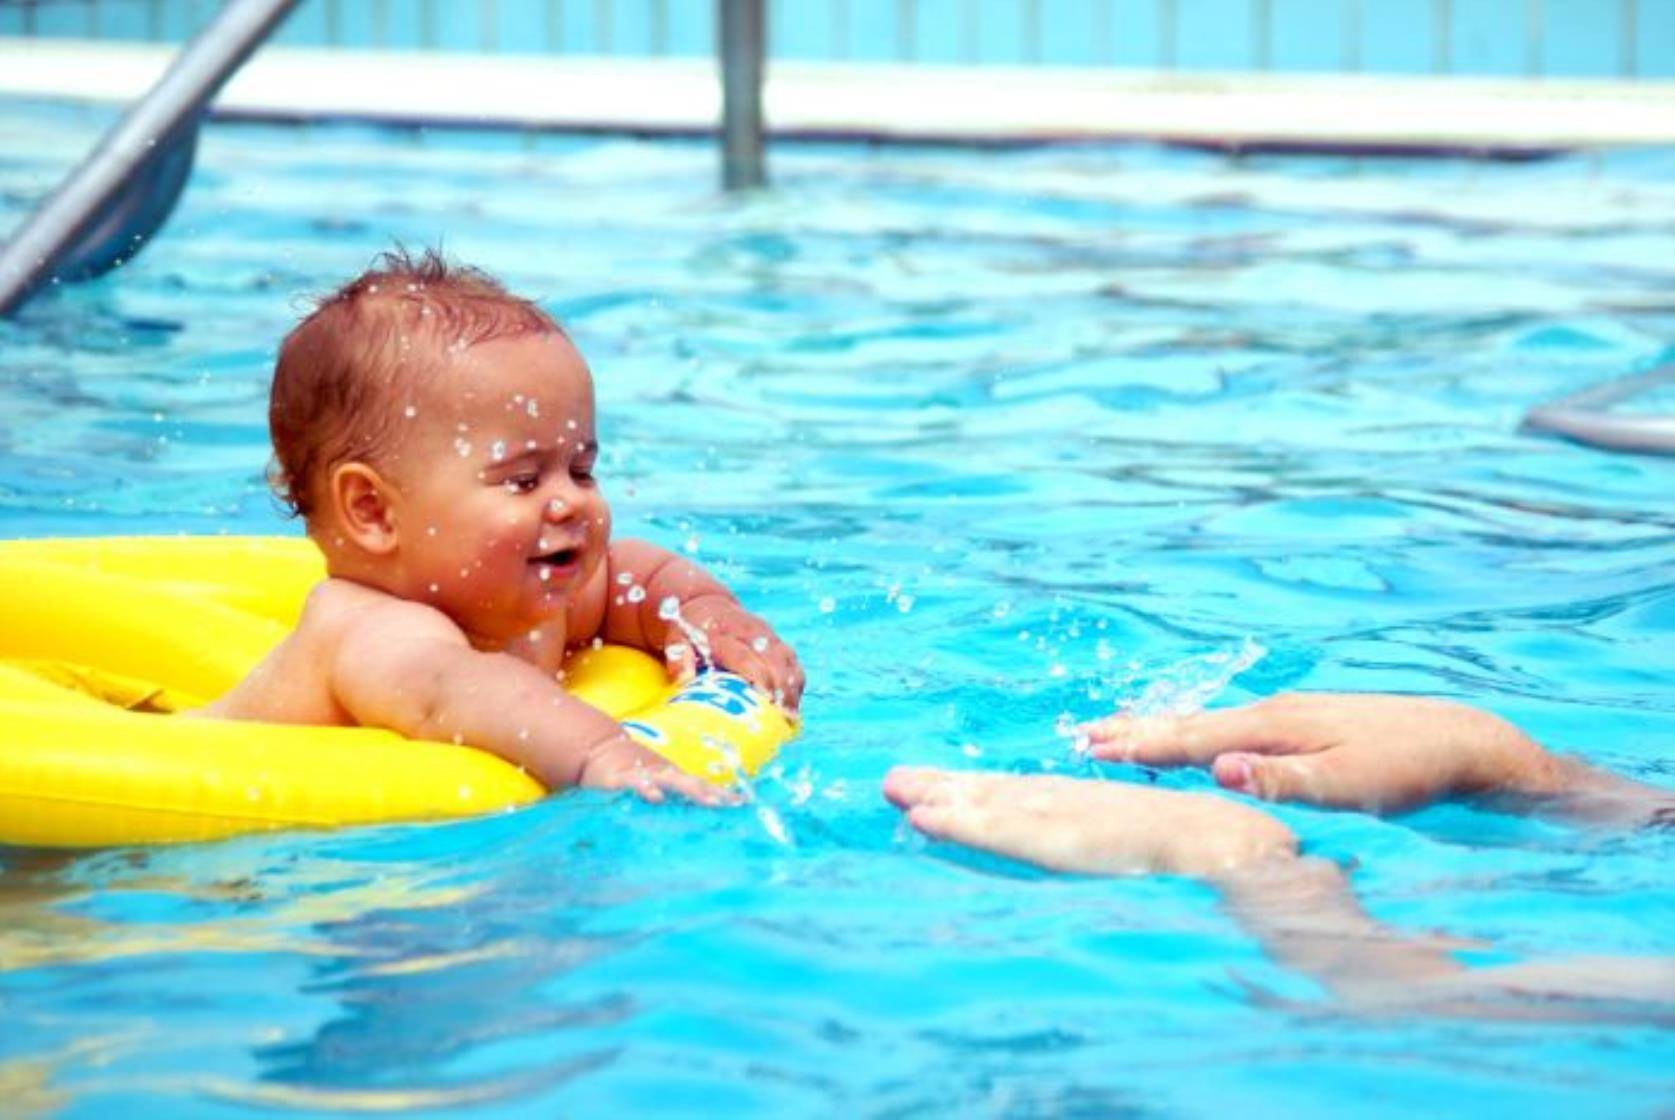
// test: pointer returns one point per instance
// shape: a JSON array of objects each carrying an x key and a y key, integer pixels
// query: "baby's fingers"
[
  {"x": 777, "y": 677},
  {"x": 694, "y": 789}
]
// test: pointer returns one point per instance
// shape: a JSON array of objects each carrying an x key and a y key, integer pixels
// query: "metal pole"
[
  {"x": 742, "y": 44},
  {"x": 162, "y": 123}
]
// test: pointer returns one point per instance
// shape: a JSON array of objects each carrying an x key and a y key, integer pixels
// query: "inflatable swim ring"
[{"x": 101, "y": 639}]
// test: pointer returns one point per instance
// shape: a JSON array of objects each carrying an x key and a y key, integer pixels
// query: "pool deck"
[{"x": 990, "y": 104}]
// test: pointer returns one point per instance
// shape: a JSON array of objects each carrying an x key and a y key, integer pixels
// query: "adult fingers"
[
  {"x": 906, "y": 786},
  {"x": 1331, "y": 780},
  {"x": 1195, "y": 740}
]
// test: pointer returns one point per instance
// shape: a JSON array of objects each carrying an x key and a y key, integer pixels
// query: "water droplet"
[
  {"x": 463, "y": 447},
  {"x": 827, "y": 604},
  {"x": 760, "y": 645},
  {"x": 636, "y": 594},
  {"x": 668, "y": 608},
  {"x": 533, "y": 407},
  {"x": 497, "y": 450},
  {"x": 410, "y": 412}
]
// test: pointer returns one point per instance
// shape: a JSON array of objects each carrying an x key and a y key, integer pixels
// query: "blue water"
[{"x": 995, "y": 440}]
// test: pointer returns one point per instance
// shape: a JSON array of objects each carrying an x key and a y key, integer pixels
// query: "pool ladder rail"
[
  {"x": 1587, "y": 417},
  {"x": 117, "y": 198}
]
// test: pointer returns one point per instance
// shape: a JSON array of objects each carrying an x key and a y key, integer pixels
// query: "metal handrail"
[
  {"x": 1586, "y": 417},
  {"x": 109, "y": 206}
]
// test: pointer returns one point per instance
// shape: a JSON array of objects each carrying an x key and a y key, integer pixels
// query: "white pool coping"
[{"x": 886, "y": 101}]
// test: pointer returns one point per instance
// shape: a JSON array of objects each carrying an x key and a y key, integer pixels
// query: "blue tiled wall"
[{"x": 1558, "y": 38}]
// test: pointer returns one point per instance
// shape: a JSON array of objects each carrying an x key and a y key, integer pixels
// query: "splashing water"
[
  {"x": 668, "y": 609},
  {"x": 1179, "y": 689}
]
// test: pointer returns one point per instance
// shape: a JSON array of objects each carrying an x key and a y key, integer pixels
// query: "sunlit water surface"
[{"x": 998, "y": 441}]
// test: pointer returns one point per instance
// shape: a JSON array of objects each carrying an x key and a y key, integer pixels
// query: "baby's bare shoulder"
[{"x": 340, "y": 611}]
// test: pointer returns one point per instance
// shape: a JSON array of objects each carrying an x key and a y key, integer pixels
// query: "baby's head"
[{"x": 437, "y": 434}]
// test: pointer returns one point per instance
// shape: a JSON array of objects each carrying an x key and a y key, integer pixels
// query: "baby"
[{"x": 437, "y": 434}]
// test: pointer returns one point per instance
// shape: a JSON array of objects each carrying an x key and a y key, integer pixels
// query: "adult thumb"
[{"x": 1281, "y": 778}]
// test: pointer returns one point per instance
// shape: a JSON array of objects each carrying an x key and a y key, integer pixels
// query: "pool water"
[{"x": 999, "y": 441}]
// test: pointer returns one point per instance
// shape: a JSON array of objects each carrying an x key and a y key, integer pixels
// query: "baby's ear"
[{"x": 363, "y": 503}]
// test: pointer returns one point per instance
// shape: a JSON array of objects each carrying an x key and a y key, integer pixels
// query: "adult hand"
[
  {"x": 1087, "y": 826},
  {"x": 1343, "y": 750}
]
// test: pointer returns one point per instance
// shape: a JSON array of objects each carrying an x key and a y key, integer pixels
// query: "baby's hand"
[
  {"x": 741, "y": 643},
  {"x": 1382, "y": 753},
  {"x": 621, "y": 763},
  {"x": 1090, "y": 827}
]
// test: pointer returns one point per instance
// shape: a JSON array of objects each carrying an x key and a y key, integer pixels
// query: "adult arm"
[{"x": 1301, "y": 909}]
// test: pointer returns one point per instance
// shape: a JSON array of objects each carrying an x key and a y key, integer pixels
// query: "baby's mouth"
[{"x": 559, "y": 558}]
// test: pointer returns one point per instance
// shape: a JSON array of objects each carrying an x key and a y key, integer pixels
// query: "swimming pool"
[{"x": 996, "y": 440}]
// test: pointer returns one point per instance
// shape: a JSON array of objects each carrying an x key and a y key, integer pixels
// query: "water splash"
[{"x": 1179, "y": 689}]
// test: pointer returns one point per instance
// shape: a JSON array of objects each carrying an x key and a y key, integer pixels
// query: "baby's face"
[{"x": 501, "y": 523}]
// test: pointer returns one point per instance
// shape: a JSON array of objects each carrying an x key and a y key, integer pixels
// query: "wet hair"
[{"x": 341, "y": 372}]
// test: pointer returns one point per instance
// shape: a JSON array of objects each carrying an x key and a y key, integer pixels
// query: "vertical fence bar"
[
  {"x": 1442, "y": 38},
  {"x": 1351, "y": 46},
  {"x": 488, "y": 31},
  {"x": 840, "y": 29},
  {"x": 1032, "y": 31},
  {"x": 555, "y": 26},
  {"x": 742, "y": 46},
  {"x": 1535, "y": 37},
  {"x": 1262, "y": 34},
  {"x": 660, "y": 27},
  {"x": 603, "y": 27},
  {"x": 1168, "y": 33},
  {"x": 427, "y": 23},
  {"x": 907, "y": 31},
  {"x": 1104, "y": 34},
  {"x": 971, "y": 30},
  {"x": 1628, "y": 64}
]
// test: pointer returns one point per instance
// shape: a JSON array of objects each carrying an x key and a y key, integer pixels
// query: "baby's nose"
[{"x": 557, "y": 509}]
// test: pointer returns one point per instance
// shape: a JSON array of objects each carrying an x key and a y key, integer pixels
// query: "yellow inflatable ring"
[{"x": 101, "y": 639}]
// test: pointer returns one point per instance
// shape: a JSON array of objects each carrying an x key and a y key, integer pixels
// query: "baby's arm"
[
  {"x": 736, "y": 640},
  {"x": 407, "y": 668}
]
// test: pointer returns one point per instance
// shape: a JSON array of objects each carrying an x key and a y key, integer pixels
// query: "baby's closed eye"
[{"x": 524, "y": 482}]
